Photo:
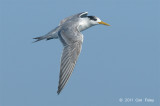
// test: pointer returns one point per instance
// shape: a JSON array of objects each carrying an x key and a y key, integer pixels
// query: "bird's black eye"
[{"x": 92, "y": 18}]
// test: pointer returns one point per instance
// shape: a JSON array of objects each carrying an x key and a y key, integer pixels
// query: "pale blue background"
[{"x": 120, "y": 61}]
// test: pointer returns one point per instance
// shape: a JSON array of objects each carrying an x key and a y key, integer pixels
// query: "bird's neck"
[{"x": 84, "y": 24}]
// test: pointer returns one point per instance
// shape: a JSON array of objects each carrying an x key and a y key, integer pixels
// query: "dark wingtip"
[{"x": 58, "y": 92}]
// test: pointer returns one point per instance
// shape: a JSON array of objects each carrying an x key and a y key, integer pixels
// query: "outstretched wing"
[
  {"x": 83, "y": 14},
  {"x": 69, "y": 57}
]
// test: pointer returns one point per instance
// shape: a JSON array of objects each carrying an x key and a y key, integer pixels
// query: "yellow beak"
[{"x": 104, "y": 23}]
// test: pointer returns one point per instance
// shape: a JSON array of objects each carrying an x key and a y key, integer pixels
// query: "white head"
[
  {"x": 89, "y": 21},
  {"x": 95, "y": 20}
]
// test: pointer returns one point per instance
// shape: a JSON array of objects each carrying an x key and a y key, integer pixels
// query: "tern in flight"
[{"x": 69, "y": 33}]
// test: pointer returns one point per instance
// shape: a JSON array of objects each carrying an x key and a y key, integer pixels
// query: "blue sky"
[{"x": 119, "y": 61}]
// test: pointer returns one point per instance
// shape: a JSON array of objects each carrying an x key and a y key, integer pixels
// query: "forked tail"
[
  {"x": 51, "y": 35},
  {"x": 42, "y": 38}
]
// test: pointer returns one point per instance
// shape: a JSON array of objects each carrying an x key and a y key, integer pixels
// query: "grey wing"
[
  {"x": 68, "y": 60},
  {"x": 83, "y": 14}
]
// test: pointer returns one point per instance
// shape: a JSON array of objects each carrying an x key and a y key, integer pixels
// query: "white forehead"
[{"x": 98, "y": 20}]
